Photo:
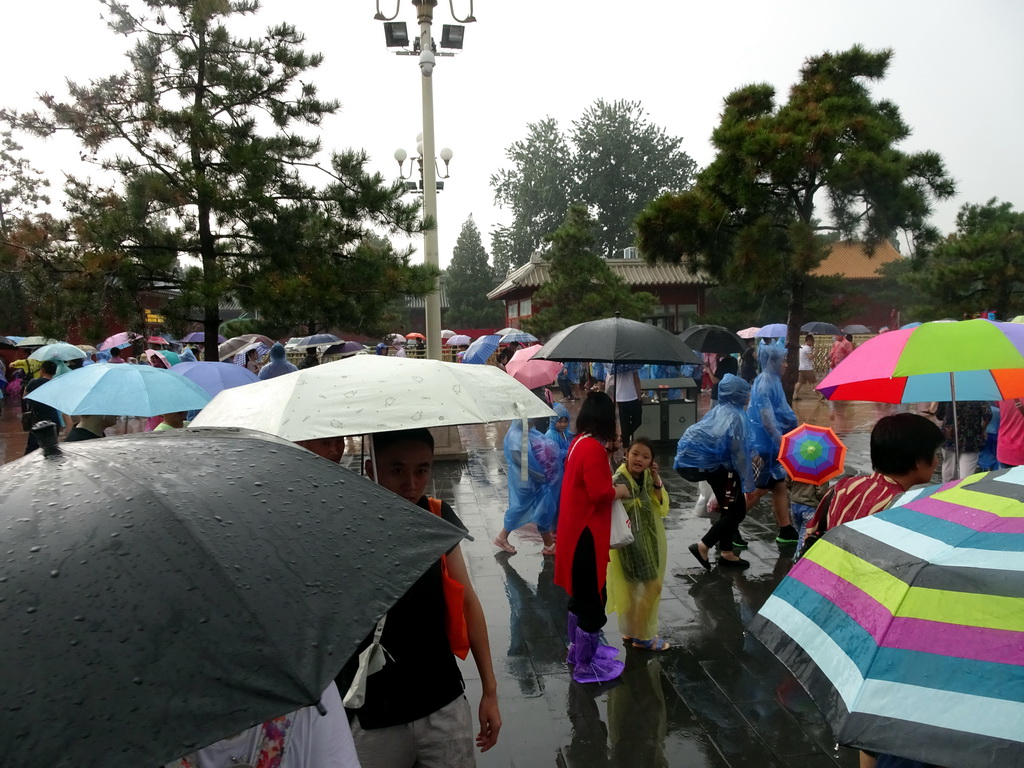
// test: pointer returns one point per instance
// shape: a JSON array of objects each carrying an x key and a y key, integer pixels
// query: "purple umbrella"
[
  {"x": 213, "y": 377},
  {"x": 198, "y": 337}
]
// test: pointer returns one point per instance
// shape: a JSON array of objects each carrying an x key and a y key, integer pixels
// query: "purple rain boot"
[
  {"x": 572, "y": 621},
  {"x": 590, "y": 666},
  {"x": 603, "y": 651}
]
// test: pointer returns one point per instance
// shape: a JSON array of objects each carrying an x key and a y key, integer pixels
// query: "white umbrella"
[
  {"x": 58, "y": 351},
  {"x": 373, "y": 393},
  {"x": 459, "y": 340}
]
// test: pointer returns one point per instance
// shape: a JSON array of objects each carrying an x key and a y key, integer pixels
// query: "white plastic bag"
[{"x": 622, "y": 531}]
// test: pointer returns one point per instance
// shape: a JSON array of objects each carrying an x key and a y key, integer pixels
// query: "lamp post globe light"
[
  {"x": 416, "y": 166},
  {"x": 396, "y": 36}
]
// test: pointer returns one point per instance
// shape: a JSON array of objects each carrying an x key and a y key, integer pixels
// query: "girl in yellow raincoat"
[{"x": 636, "y": 571}]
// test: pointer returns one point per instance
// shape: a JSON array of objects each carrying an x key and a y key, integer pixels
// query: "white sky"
[{"x": 958, "y": 76}]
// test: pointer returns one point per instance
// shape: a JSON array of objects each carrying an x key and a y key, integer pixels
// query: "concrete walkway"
[{"x": 716, "y": 698}]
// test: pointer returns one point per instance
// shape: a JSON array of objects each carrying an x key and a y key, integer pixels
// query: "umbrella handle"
[{"x": 524, "y": 444}]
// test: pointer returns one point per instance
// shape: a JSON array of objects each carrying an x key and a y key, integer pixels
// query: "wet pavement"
[{"x": 715, "y": 698}]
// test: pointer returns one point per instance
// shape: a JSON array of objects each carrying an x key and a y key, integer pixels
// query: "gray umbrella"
[
  {"x": 713, "y": 338},
  {"x": 821, "y": 329},
  {"x": 617, "y": 340},
  {"x": 164, "y": 591}
]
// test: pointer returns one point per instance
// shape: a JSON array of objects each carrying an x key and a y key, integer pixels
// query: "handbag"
[{"x": 622, "y": 531}]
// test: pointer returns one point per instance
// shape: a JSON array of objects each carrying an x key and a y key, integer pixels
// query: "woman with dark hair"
[{"x": 584, "y": 530}]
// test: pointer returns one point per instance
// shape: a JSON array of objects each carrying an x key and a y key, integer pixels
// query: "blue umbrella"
[
  {"x": 214, "y": 377},
  {"x": 772, "y": 331},
  {"x": 121, "y": 390},
  {"x": 480, "y": 351},
  {"x": 519, "y": 337}
]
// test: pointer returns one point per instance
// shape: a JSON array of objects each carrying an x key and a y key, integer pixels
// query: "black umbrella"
[
  {"x": 857, "y": 329},
  {"x": 617, "y": 340},
  {"x": 712, "y": 338},
  {"x": 316, "y": 340},
  {"x": 822, "y": 329},
  {"x": 164, "y": 591}
]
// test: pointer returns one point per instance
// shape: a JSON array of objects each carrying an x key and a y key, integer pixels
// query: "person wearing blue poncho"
[
  {"x": 535, "y": 498},
  {"x": 561, "y": 435},
  {"x": 719, "y": 449},
  {"x": 770, "y": 418}
]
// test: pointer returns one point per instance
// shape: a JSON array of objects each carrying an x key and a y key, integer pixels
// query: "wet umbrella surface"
[{"x": 163, "y": 591}]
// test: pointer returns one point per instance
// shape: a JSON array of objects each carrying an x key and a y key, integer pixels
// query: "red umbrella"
[
  {"x": 529, "y": 372},
  {"x": 812, "y": 454}
]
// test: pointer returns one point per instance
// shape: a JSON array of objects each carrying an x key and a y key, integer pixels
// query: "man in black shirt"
[
  {"x": 40, "y": 411},
  {"x": 415, "y": 711}
]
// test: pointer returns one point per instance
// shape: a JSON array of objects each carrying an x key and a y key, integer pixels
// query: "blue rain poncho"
[
  {"x": 534, "y": 500},
  {"x": 770, "y": 414},
  {"x": 561, "y": 439},
  {"x": 723, "y": 437}
]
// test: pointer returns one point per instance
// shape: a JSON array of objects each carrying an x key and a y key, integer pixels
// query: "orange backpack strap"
[{"x": 454, "y": 594}]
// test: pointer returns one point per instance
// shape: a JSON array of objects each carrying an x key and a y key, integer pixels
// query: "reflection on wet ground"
[{"x": 716, "y": 698}]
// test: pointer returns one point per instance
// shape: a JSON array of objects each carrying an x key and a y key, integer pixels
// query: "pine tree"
[
  {"x": 752, "y": 220},
  {"x": 212, "y": 140},
  {"x": 582, "y": 286},
  {"x": 469, "y": 278}
]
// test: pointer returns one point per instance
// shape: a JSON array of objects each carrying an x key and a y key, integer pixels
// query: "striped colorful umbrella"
[
  {"x": 907, "y": 627},
  {"x": 812, "y": 454}
]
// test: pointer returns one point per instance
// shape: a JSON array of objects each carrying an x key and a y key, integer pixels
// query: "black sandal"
[{"x": 695, "y": 551}]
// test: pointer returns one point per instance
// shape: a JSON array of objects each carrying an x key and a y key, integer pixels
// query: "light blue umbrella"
[
  {"x": 772, "y": 331},
  {"x": 480, "y": 351},
  {"x": 121, "y": 390},
  {"x": 519, "y": 337},
  {"x": 59, "y": 351}
]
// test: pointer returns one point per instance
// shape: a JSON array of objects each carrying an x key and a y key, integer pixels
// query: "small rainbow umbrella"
[{"x": 812, "y": 454}]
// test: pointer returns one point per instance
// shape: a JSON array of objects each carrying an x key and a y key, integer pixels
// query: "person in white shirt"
[
  {"x": 806, "y": 375},
  {"x": 625, "y": 383}
]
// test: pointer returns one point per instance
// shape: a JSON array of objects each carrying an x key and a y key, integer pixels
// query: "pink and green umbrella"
[
  {"x": 812, "y": 454},
  {"x": 934, "y": 362}
]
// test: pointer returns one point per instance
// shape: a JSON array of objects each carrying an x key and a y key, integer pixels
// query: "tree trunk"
[
  {"x": 793, "y": 333},
  {"x": 207, "y": 246}
]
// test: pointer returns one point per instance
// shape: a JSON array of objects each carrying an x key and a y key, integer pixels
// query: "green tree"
[
  {"x": 469, "y": 278},
  {"x": 978, "y": 267},
  {"x": 582, "y": 286},
  {"x": 22, "y": 192},
  {"x": 215, "y": 196},
  {"x": 613, "y": 160},
  {"x": 537, "y": 188},
  {"x": 752, "y": 219}
]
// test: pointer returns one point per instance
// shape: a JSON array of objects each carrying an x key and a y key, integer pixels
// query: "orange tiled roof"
[{"x": 848, "y": 259}]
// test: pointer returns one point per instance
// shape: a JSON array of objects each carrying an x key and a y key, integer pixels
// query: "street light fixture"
[
  {"x": 416, "y": 164},
  {"x": 425, "y": 48}
]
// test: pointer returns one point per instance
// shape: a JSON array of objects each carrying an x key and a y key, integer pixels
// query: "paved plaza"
[{"x": 716, "y": 698}]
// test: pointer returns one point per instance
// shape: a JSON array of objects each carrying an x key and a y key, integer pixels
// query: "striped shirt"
[{"x": 857, "y": 497}]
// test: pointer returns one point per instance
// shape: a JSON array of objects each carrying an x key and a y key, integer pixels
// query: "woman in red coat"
[{"x": 584, "y": 529}]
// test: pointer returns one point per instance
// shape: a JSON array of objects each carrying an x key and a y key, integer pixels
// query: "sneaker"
[
  {"x": 739, "y": 542},
  {"x": 787, "y": 535}
]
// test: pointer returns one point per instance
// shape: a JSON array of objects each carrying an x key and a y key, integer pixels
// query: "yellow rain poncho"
[{"x": 636, "y": 572}]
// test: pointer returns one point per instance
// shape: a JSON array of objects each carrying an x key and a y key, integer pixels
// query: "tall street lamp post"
[{"x": 396, "y": 36}]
